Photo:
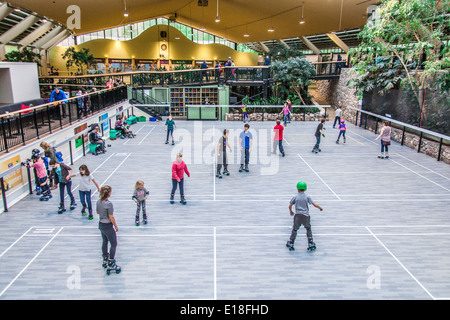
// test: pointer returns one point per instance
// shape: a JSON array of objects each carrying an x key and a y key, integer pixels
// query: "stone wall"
[
  {"x": 337, "y": 94},
  {"x": 275, "y": 116}
]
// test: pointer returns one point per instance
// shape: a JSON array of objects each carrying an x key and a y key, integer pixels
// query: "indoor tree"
[
  {"x": 405, "y": 48},
  {"x": 80, "y": 58}
]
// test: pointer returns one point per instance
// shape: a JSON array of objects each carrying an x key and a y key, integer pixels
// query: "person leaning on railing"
[{"x": 59, "y": 96}]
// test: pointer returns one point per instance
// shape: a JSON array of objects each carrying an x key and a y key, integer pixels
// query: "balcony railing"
[{"x": 18, "y": 127}]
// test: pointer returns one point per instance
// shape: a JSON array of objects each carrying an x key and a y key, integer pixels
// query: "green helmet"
[{"x": 301, "y": 185}]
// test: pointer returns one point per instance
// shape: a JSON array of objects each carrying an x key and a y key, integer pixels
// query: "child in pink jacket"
[{"x": 178, "y": 169}]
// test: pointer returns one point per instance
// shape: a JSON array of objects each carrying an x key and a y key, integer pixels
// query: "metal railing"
[
  {"x": 211, "y": 76},
  {"x": 67, "y": 142},
  {"x": 370, "y": 120},
  {"x": 217, "y": 112},
  {"x": 18, "y": 127}
]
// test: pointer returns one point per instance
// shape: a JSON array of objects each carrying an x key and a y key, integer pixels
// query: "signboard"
[
  {"x": 79, "y": 140},
  {"x": 14, "y": 178},
  {"x": 104, "y": 121}
]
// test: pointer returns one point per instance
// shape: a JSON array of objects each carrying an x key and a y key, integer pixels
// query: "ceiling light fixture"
[
  {"x": 302, "y": 20},
  {"x": 217, "y": 15},
  {"x": 125, "y": 13},
  {"x": 246, "y": 31}
]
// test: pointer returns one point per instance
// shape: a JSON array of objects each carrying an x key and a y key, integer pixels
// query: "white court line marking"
[
  {"x": 135, "y": 133},
  {"x": 29, "y": 263},
  {"x": 370, "y": 140},
  {"x": 423, "y": 167},
  {"x": 319, "y": 177},
  {"x": 401, "y": 264},
  {"x": 147, "y": 135},
  {"x": 350, "y": 137},
  {"x": 286, "y": 142},
  {"x": 420, "y": 175},
  {"x": 120, "y": 164},
  {"x": 12, "y": 245},
  {"x": 215, "y": 265},
  {"x": 91, "y": 173}
]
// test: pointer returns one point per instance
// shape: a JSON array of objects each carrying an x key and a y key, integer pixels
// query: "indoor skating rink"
[{"x": 384, "y": 232}]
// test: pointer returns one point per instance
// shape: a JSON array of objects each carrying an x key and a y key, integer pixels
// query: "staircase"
[{"x": 141, "y": 101}]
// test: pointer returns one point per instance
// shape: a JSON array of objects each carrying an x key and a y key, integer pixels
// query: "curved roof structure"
[{"x": 237, "y": 17}]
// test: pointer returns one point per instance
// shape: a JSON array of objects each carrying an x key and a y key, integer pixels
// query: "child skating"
[
  {"x": 278, "y": 138},
  {"x": 244, "y": 113},
  {"x": 41, "y": 177},
  {"x": 169, "y": 126},
  {"x": 342, "y": 130},
  {"x": 140, "y": 196},
  {"x": 86, "y": 181},
  {"x": 108, "y": 228},
  {"x": 286, "y": 114},
  {"x": 60, "y": 174},
  {"x": 178, "y": 169},
  {"x": 222, "y": 155},
  {"x": 319, "y": 133},
  {"x": 301, "y": 216}
]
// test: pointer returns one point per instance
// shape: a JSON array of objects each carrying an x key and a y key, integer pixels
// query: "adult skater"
[
  {"x": 108, "y": 228},
  {"x": 385, "y": 136},
  {"x": 222, "y": 155},
  {"x": 301, "y": 216},
  {"x": 246, "y": 142}
]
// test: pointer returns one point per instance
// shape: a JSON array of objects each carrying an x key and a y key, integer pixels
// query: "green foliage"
[
  {"x": 293, "y": 74},
  {"x": 80, "y": 59},
  {"x": 407, "y": 47},
  {"x": 26, "y": 55}
]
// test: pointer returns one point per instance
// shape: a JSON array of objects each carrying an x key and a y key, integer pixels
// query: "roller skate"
[
  {"x": 105, "y": 261},
  {"x": 218, "y": 175},
  {"x": 283, "y": 154},
  {"x": 136, "y": 221},
  {"x": 315, "y": 150},
  {"x": 172, "y": 198},
  {"x": 38, "y": 191},
  {"x": 167, "y": 142},
  {"x": 246, "y": 168},
  {"x": 183, "y": 200},
  {"x": 311, "y": 246},
  {"x": 83, "y": 211},
  {"x": 112, "y": 266},
  {"x": 226, "y": 172},
  {"x": 46, "y": 196},
  {"x": 72, "y": 205},
  {"x": 144, "y": 219},
  {"x": 173, "y": 143},
  {"x": 61, "y": 208},
  {"x": 290, "y": 245},
  {"x": 241, "y": 168}
]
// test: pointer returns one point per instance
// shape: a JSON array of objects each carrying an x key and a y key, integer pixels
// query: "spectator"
[
  {"x": 267, "y": 62},
  {"x": 60, "y": 97}
]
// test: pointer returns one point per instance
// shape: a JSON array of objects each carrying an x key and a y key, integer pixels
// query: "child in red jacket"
[{"x": 178, "y": 170}]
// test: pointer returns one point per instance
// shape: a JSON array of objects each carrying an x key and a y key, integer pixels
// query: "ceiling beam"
[
  {"x": 4, "y": 11},
  {"x": 341, "y": 44},
  {"x": 18, "y": 29},
  {"x": 46, "y": 38},
  {"x": 310, "y": 45},
  {"x": 56, "y": 40},
  {"x": 284, "y": 43},
  {"x": 33, "y": 36},
  {"x": 264, "y": 47}
]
